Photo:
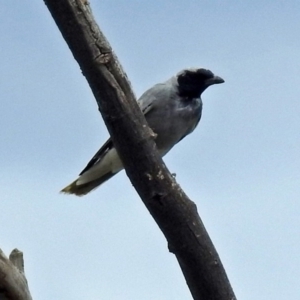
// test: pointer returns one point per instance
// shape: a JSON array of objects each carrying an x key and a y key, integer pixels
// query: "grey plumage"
[{"x": 172, "y": 109}]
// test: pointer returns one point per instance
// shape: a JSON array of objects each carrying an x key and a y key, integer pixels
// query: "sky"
[{"x": 240, "y": 166}]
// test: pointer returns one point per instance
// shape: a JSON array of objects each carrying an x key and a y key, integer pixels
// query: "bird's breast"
[{"x": 175, "y": 122}]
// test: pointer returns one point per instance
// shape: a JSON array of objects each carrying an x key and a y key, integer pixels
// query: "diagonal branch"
[{"x": 173, "y": 211}]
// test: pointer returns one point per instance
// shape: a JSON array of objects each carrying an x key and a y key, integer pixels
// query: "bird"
[{"x": 172, "y": 109}]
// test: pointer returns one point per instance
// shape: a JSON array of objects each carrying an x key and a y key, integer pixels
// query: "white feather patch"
[{"x": 111, "y": 162}]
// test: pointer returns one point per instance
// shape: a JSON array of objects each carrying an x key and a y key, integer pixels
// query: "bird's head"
[{"x": 193, "y": 82}]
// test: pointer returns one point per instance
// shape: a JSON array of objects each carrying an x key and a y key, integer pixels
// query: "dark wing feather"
[
  {"x": 101, "y": 152},
  {"x": 145, "y": 107}
]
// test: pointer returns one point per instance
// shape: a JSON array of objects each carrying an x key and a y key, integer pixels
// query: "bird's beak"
[{"x": 214, "y": 80}]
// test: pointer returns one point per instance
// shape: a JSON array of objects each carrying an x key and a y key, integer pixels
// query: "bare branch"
[
  {"x": 174, "y": 212},
  {"x": 13, "y": 283}
]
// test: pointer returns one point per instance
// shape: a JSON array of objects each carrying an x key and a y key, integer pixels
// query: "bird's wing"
[
  {"x": 151, "y": 97},
  {"x": 99, "y": 155},
  {"x": 146, "y": 103}
]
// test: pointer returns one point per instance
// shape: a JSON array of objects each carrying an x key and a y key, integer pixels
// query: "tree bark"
[
  {"x": 173, "y": 211},
  {"x": 13, "y": 283}
]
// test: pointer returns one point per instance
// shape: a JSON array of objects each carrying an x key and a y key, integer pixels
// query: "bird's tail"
[{"x": 83, "y": 189}]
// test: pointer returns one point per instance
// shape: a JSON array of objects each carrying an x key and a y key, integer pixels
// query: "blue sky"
[{"x": 241, "y": 165}]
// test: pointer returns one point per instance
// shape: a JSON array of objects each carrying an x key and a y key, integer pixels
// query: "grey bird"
[{"x": 172, "y": 109}]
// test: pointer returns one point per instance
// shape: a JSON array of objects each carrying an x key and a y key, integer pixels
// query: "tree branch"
[
  {"x": 13, "y": 283},
  {"x": 173, "y": 211}
]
